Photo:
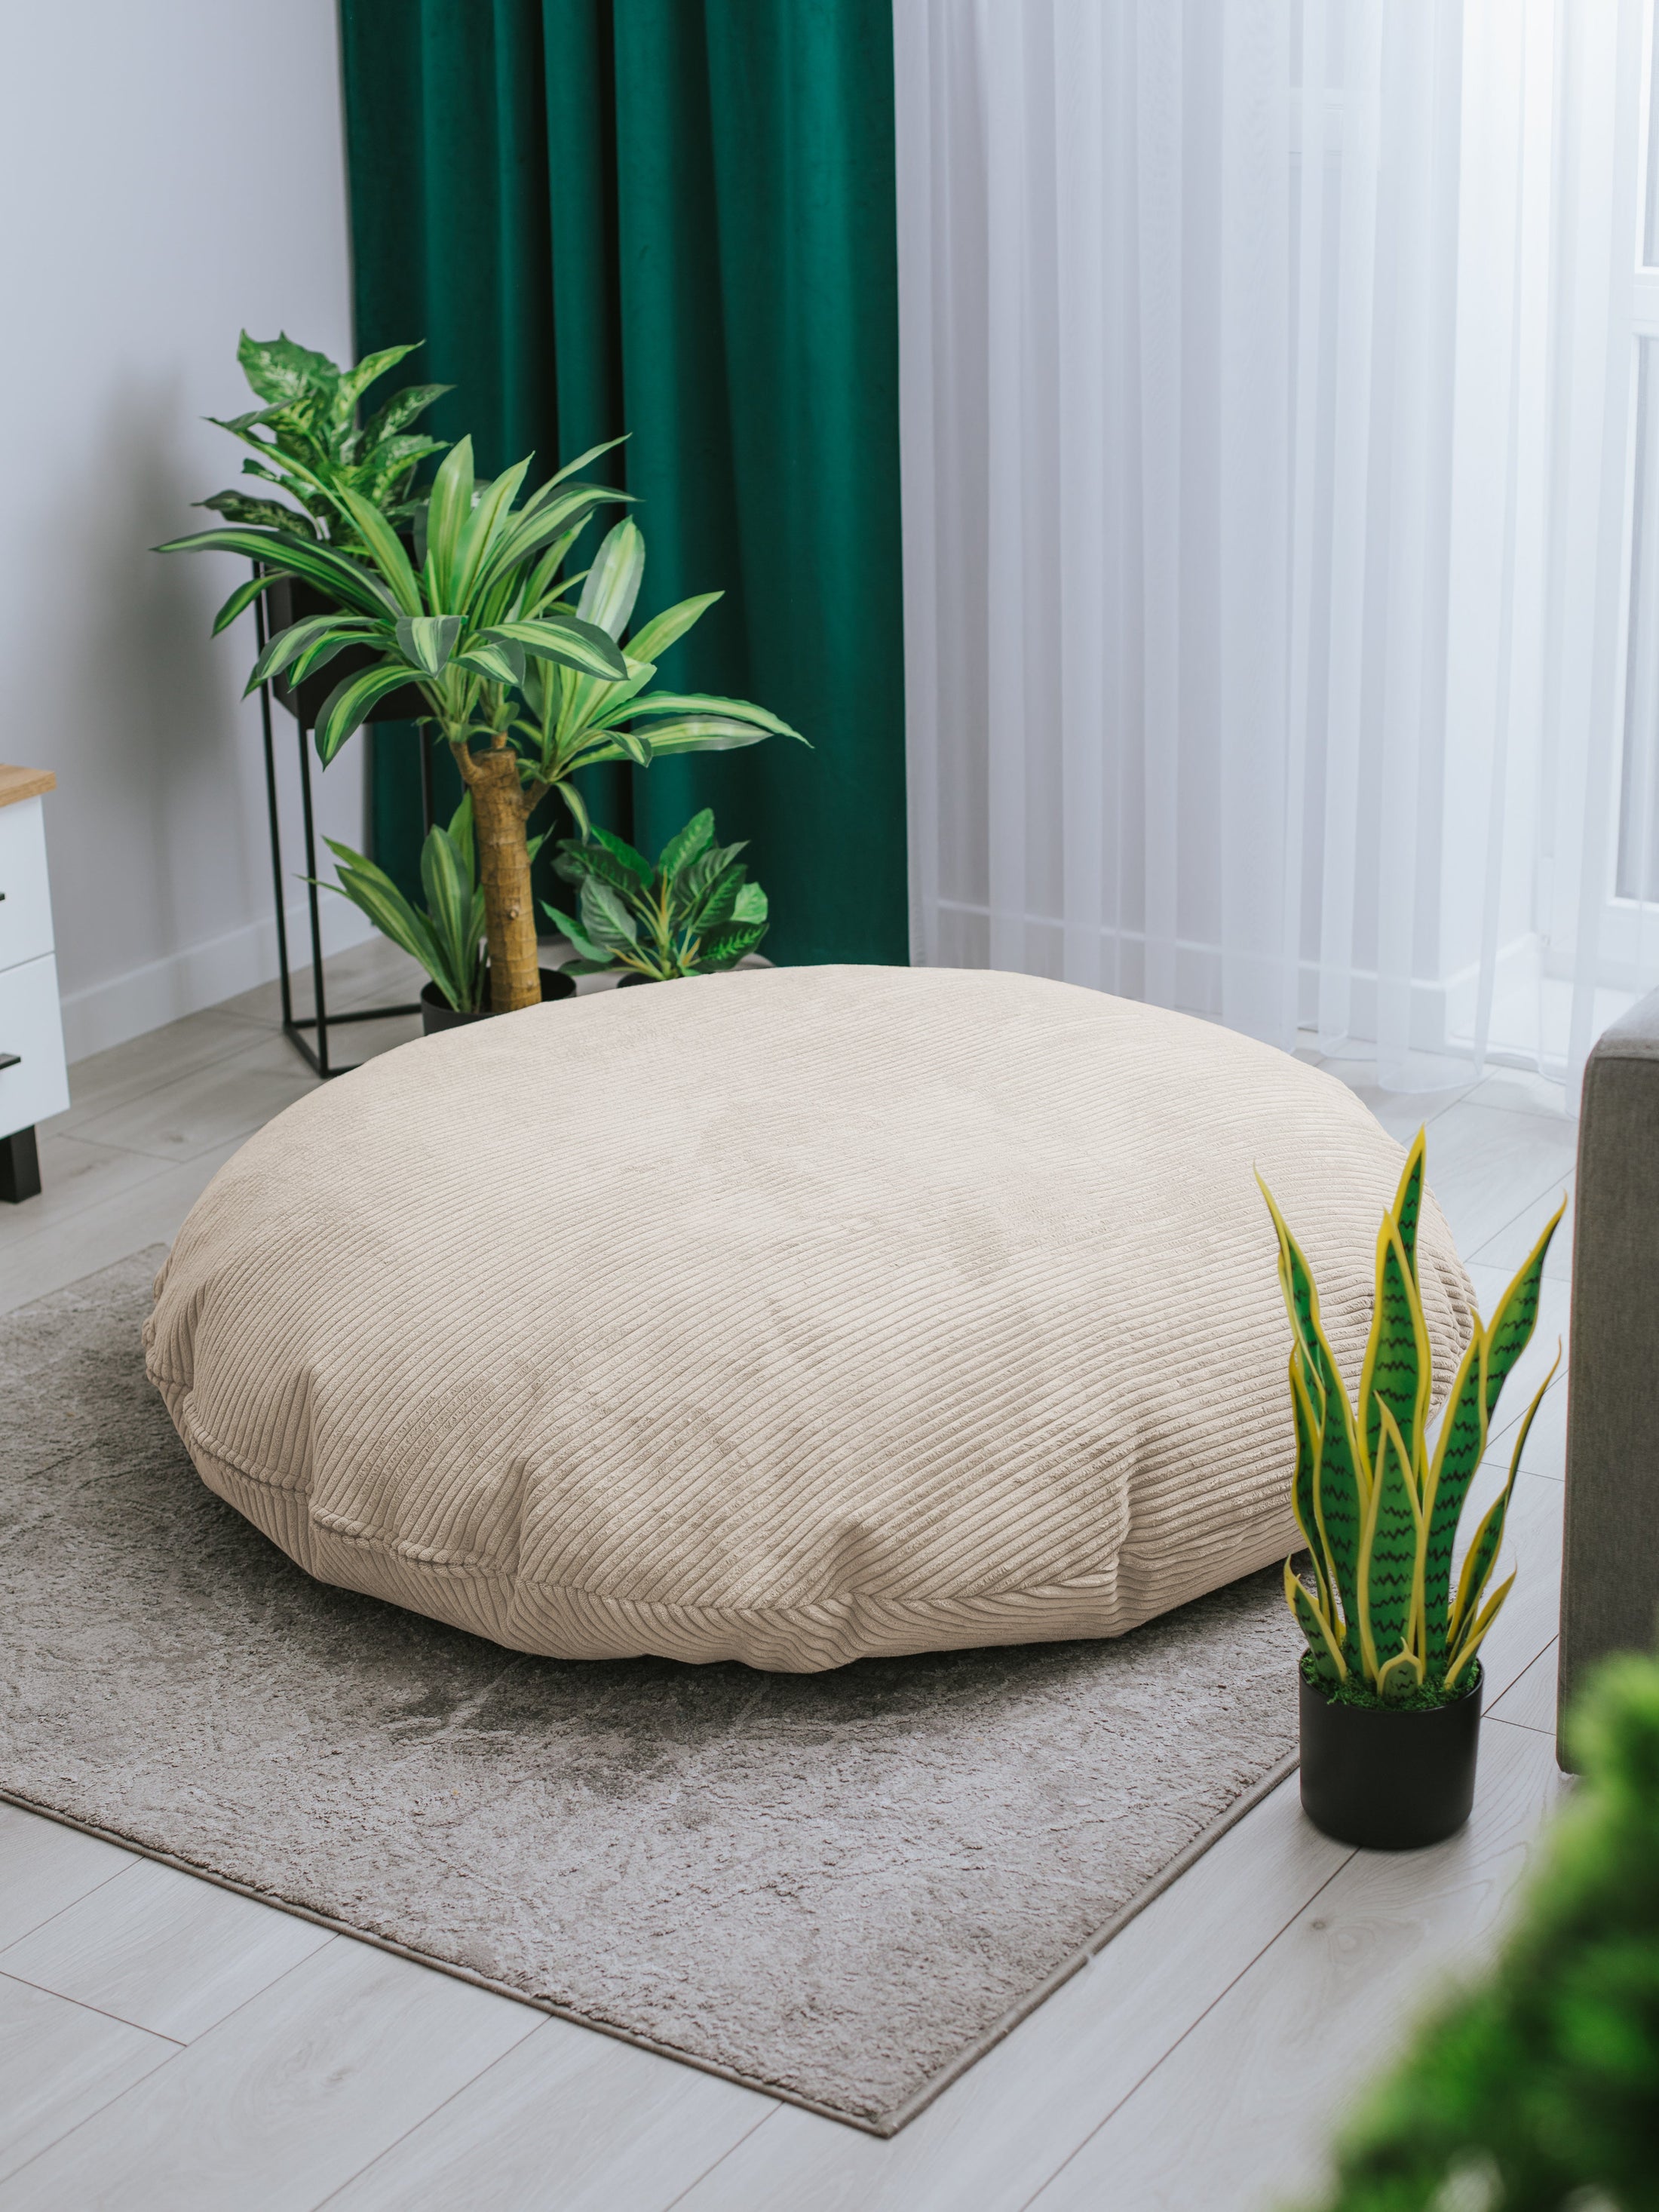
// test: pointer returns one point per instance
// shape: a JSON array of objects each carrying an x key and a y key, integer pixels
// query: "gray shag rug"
[{"x": 837, "y": 1888}]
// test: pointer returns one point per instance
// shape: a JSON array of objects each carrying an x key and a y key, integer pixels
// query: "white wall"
[{"x": 170, "y": 172}]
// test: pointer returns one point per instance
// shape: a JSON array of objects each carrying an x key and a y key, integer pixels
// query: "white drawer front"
[
  {"x": 32, "y": 1027},
  {"x": 25, "y": 902}
]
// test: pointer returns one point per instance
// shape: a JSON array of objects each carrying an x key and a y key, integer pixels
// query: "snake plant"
[
  {"x": 311, "y": 445},
  {"x": 1378, "y": 1507},
  {"x": 694, "y": 912}
]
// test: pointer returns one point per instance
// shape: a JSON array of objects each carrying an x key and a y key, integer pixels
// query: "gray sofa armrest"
[{"x": 1610, "y": 1564}]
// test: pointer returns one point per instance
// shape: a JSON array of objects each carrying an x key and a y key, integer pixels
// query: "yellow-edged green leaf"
[{"x": 1329, "y": 1662}]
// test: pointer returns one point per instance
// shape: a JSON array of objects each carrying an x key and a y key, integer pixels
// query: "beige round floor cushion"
[{"x": 784, "y": 1316}]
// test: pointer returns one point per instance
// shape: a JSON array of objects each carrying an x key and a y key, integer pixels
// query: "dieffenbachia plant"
[
  {"x": 522, "y": 688},
  {"x": 1378, "y": 1509},
  {"x": 693, "y": 913},
  {"x": 310, "y": 444}
]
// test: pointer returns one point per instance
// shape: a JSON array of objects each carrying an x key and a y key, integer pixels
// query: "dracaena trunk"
[{"x": 498, "y": 825}]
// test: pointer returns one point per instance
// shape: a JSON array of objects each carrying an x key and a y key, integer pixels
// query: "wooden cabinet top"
[{"x": 24, "y": 782}]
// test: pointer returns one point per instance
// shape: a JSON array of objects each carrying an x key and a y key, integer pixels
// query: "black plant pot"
[
  {"x": 1388, "y": 1781},
  {"x": 437, "y": 1013},
  {"x": 289, "y": 601}
]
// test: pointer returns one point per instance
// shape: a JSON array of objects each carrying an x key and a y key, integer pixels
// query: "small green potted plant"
[
  {"x": 692, "y": 913},
  {"x": 1391, "y": 1678},
  {"x": 447, "y": 935},
  {"x": 311, "y": 446}
]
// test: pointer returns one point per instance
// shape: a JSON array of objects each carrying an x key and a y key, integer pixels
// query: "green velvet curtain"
[{"x": 674, "y": 217}]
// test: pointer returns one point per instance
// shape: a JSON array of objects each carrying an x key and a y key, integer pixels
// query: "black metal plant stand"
[{"x": 295, "y": 1026}]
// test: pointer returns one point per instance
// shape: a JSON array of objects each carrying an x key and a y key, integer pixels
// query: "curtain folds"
[
  {"x": 1267, "y": 401},
  {"x": 675, "y": 218}
]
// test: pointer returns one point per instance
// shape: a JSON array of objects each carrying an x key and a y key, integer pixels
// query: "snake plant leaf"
[
  {"x": 385, "y": 548},
  {"x": 1399, "y": 1676},
  {"x": 1461, "y": 1444},
  {"x": 1301, "y": 1297},
  {"x": 567, "y": 640},
  {"x": 687, "y": 842},
  {"x": 1483, "y": 1550},
  {"x": 425, "y": 642},
  {"x": 605, "y": 920},
  {"x": 1396, "y": 1373},
  {"x": 1388, "y": 1550},
  {"x": 1407, "y": 1207},
  {"x": 1517, "y": 1312},
  {"x": 347, "y": 706},
  {"x": 447, "y": 511},
  {"x": 635, "y": 863},
  {"x": 613, "y": 581},
  {"x": 1329, "y": 1662},
  {"x": 1464, "y": 1655},
  {"x": 1304, "y": 1494}
]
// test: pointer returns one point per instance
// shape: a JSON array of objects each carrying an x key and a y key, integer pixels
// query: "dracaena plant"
[
  {"x": 694, "y": 912},
  {"x": 522, "y": 688},
  {"x": 447, "y": 935},
  {"x": 572, "y": 720},
  {"x": 1378, "y": 1508},
  {"x": 486, "y": 598},
  {"x": 311, "y": 445}
]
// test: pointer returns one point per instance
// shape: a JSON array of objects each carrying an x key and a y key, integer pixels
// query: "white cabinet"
[{"x": 33, "y": 1081}]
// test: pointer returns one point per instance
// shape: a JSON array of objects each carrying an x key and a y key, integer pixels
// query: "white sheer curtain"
[{"x": 1270, "y": 417}]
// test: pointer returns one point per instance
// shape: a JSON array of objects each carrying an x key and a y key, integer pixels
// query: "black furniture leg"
[{"x": 20, "y": 1167}]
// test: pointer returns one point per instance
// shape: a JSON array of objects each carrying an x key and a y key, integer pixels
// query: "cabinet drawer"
[
  {"x": 32, "y": 1027},
  {"x": 25, "y": 902}
]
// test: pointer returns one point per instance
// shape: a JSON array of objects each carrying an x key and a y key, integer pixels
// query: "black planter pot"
[
  {"x": 1388, "y": 1781},
  {"x": 289, "y": 601},
  {"x": 437, "y": 1013}
]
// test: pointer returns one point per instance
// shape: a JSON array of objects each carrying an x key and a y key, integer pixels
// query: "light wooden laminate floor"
[{"x": 165, "y": 2045}]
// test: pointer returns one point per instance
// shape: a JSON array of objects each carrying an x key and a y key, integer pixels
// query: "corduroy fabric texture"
[{"x": 786, "y": 1316}]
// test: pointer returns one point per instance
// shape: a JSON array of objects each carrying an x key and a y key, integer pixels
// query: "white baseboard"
[{"x": 103, "y": 1014}]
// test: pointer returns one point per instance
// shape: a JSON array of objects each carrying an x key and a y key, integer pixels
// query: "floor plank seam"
[
  {"x": 115, "y": 1875},
  {"x": 1193, "y": 2025},
  {"x": 45, "y": 1990}
]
